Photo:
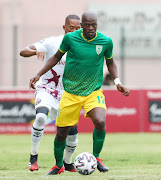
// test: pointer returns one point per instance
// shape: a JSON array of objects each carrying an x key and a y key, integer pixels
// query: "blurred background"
[{"x": 135, "y": 28}]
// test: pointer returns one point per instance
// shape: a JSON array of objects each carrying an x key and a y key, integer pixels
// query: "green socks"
[
  {"x": 98, "y": 140},
  {"x": 59, "y": 151}
]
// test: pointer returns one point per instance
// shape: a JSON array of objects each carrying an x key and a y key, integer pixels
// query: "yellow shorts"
[{"x": 70, "y": 106}]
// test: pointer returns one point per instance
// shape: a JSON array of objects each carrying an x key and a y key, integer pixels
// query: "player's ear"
[{"x": 64, "y": 27}]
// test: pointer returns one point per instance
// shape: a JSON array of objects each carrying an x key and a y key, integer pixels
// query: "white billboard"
[{"x": 141, "y": 24}]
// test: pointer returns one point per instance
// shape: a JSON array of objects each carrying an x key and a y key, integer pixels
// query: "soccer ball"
[{"x": 85, "y": 163}]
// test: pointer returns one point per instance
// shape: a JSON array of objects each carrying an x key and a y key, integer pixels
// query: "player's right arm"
[
  {"x": 32, "y": 51},
  {"x": 50, "y": 63}
]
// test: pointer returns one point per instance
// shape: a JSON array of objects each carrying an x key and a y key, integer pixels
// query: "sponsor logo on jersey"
[{"x": 98, "y": 49}]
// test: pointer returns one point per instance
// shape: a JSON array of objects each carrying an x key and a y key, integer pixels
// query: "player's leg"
[
  {"x": 67, "y": 116},
  {"x": 98, "y": 116},
  {"x": 96, "y": 110},
  {"x": 42, "y": 109},
  {"x": 59, "y": 146},
  {"x": 36, "y": 135},
  {"x": 71, "y": 143}
]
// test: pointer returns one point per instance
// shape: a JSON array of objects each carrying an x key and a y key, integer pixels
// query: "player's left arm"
[{"x": 112, "y": 68}]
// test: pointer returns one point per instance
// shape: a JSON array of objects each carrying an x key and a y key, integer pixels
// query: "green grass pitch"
[{"x": 128, "y": 156}]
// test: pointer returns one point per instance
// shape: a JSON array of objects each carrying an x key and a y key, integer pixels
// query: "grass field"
[{"x": 128, "y": 156}]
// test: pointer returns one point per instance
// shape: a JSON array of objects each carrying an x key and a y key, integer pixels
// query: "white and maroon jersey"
[{"x": 51, "y": 81}]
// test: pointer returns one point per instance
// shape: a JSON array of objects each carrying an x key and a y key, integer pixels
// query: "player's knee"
[
  {"x": 100, "y": 125},
  {"x": 60, "y": 136},
  {"x": 72, "y": 138},
  {"x": 73, "y": 130},
  {"x": 43, "y": 110},
  {"x": 40, "y": 121},
  {"x": 62, "y": 133}
]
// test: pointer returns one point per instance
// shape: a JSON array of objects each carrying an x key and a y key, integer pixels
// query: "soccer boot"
[
  {"x": 56, "y": 170},
  {"x": 33, "y": 165},
  {"x": 69, "y": 167},
  {"x": 100, "y": 166}
]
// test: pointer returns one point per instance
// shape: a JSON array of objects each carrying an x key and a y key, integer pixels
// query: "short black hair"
[{"x": 72, "y": 16}]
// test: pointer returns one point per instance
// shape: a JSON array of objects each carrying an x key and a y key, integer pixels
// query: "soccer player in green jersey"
[{"x": 83, "y": 76}]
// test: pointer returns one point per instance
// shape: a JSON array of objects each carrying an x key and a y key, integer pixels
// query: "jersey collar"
[{"x": 87, "y": 39}]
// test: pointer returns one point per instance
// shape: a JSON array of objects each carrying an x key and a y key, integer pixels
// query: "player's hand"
[
  {"x": 33, "y": 81},
  {"x": 40, "y": 55},
  {"x": 123, "y": 89}
]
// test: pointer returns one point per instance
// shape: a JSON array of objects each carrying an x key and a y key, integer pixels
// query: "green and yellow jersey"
[{"x": 83, "y": 71}]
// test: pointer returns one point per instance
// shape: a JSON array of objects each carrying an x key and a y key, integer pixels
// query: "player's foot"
[
  {"x": 69, "y": 167},
  {"x": 56, "y": 170},
  {"x": 100, "y": 166},
  {"x": 33, "y": 165}
]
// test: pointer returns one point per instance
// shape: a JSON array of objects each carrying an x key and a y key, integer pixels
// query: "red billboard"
[
  {"x": 123, "y": 113},
  {"x": 140, "y": 112},
  {"x": 152, "y": 111},
  {"x": 17, "y": 112}
]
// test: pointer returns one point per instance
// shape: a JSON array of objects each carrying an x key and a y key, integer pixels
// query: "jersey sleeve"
[
  {"x": 64, "y": 46},
  {"x": 109, "y": 49},
  {"x": 43, "y": 45}
]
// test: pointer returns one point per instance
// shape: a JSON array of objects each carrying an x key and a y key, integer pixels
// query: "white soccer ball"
[{"x": 85, "y": 163}]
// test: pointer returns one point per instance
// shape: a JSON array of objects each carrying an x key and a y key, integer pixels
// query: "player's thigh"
[
  {"x": 69, "y": 110},
  {"x": 44, "y": 99},
  {"x": 98, "y": 116}
]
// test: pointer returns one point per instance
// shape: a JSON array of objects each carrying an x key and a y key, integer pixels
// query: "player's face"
[
  {"x": 89, "y": 28},
  {"x": 71, "y": 25}
]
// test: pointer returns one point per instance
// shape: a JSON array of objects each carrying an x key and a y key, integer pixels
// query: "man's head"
[
  {"x": 89, "y": 24},
  {"x": 72, "y": 23}
]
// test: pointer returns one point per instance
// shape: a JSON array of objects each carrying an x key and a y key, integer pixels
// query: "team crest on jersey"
[{"x": 98, "y": 49}]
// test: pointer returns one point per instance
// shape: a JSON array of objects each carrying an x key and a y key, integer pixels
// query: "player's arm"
[
  {"x": 32, "y": 51},
  {"x": 113, "y": 72},
  {"x": 50, "y": 63},
  {"x": 112, "y": 68},
  {"x": 28, "y": 51}
]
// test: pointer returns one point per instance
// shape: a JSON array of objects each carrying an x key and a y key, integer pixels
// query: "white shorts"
[{"x": 44, "y": 99}]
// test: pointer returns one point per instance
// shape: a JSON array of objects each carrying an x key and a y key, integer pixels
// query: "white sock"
[
  {"x": 37, "y": 132},
  {"x": 71, "y": 143}
]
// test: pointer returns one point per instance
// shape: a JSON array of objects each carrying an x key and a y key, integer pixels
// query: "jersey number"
[{"x": 101, "y": 99}]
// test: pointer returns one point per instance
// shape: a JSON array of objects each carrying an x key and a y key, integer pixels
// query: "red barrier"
[
  {"x": 152, "y": 111},
  {"x": 123, "y": 113},
  {"x": 140, "y": 112}
]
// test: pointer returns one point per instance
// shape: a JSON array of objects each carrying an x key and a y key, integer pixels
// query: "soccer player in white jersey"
[{"x": 48, "y": 92}]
